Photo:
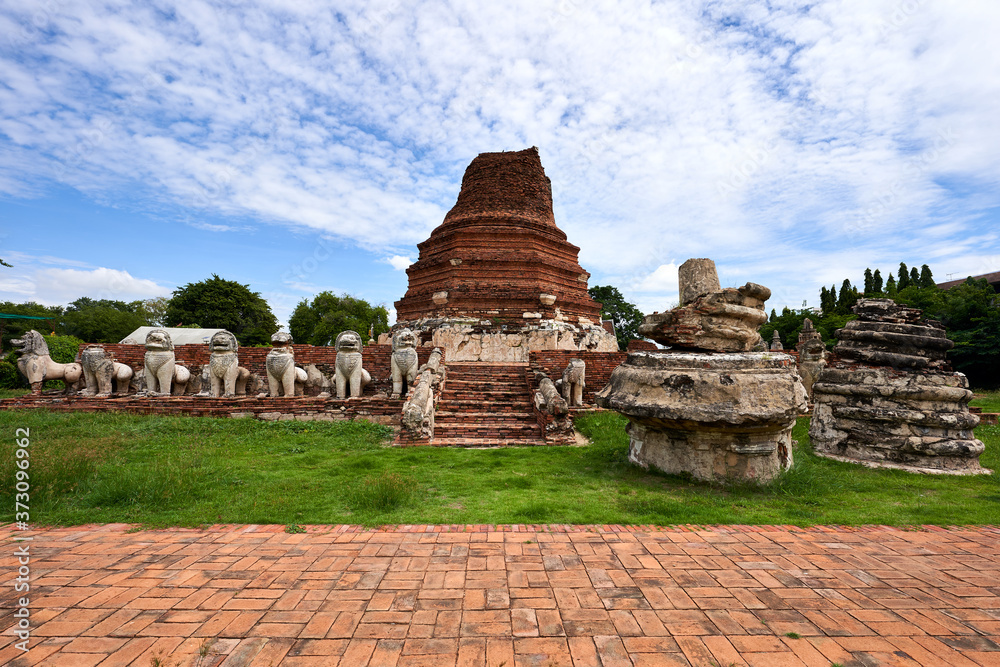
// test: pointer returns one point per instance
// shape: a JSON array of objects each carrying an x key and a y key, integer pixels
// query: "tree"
[
  {"x": 614, "y": 307},
  {"x": 914, "y": 277},
  {"x": 828, "y": 300},
  {"x": 15, "y": 328},
  {"x": 926, "y": 277},
  {"x": 319, "y": 322},
  {"x": 155, "y": 311},
  {"x": 3, "y": 263},
  {"x": 217, "y": 303},
  {"x": 890, "y": 286},
  {"x": 877, "y": 282},
  {"x": 903, "y": 280},
  {"x": 102, "y": 321},
  {"x": 869, "y": 282},
  {"x": 848, "y": 297}
]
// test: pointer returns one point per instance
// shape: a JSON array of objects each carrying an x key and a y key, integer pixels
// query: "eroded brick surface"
[{"x": 485, "y": 595}]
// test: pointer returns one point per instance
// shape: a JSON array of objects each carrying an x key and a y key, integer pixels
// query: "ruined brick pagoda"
[{"x": 497, "y": 278}]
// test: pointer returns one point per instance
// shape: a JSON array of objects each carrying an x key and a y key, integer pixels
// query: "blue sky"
[{"x": 308, "y": 146}]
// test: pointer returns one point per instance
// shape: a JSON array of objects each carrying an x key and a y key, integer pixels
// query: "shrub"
[
  {"x": 63, "y": 349},
  {"x": 9, "y": 377},
  {"x": 382, "y": 493}
]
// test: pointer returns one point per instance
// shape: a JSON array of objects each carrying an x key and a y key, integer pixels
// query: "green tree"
[
  {"x": 102, "y": 321},
  {"x": 614, "y": 307},
  {"x": 155, "y": 311},
  {"x": 15, "y": 328},
  {"x": 926, "y": 277},
  {"x": 903, "y": 277},
  {"x": 869, "y": 282},
  {"x": 319, "y": 322},
  {"x": 877, "y": 282},
  {"x": 915, "y": 277},
  {"x": 847, "y": 298},
  {"x": 828, "y": 300},
  {"x": 890, "y": 286},
  {"x": 217, "y": 303}
]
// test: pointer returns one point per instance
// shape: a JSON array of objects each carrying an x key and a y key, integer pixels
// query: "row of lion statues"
[{"x": 161, "y": 375}]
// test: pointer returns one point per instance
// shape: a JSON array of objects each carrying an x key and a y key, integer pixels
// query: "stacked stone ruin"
[
  {"x": 709, "y": 406},
  {"x": 888, "y": 398}
]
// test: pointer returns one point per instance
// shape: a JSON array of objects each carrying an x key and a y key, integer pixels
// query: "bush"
[
  {"x": 63, "y": 349},
  {"x": 9, "y": 377},
  {"x": 380, "y": 494}
]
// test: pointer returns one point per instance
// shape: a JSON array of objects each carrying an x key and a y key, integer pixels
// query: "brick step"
[
  {"x": 491, "y": 397},
  {"x": 485, "y": 430},
  {"x": 517, "y": 383},
  {"x": 485, "y": 420},
  {"x": 487, "y": 442}
]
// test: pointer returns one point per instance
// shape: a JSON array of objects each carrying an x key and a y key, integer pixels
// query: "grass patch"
[
  {"x": 163, "y": 471},
  {"x": 988, "y": 400},
  {"x": 13, "y": 393}
]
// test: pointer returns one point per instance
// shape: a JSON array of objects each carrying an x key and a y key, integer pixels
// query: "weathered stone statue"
[
  {"x": 713, "y": 319},
  {"x": 547, "y": 398},
  {"x": 776, "y": 345},
  {"x": 574, "y": 382},
  {"x": 35, "y": 364},
  {"x": 280, "y": 364},
  {"x": 225, "y": 374},
  {"x": 102, "y": 374},
  {"x": 713, "y": 409},
  {"x": 812, "y": 356},
  {"x": 164, "y": 376},
  {"x": 889, "y": 399},
  {"x": 349, "y": 375},
  {"x": 404, "y": 362}
]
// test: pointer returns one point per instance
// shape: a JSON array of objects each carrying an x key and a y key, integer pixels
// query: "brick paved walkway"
[{"x": 342, "y": 596}]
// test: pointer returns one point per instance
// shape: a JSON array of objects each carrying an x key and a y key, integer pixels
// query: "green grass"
[
  {"x": 162, "y": 471},
  {"x": 13, "y": 393},
  {"x": 989, "y": 401}
]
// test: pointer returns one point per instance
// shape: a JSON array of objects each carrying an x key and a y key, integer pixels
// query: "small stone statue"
[
  {"x": 102, "y": 374},
  {"x": 35, "y": 364},
  {"x": 225, "y": 374},
  {"x": 812, "y": 356},
  {"x": 348, "y": 371},
  {"x": 573, "y": 382},
  {"x": 163, "y": 375},
  {"x": 776, "y": 345},
  {"x": 404, "y": 362},
  {"x": 280, "y": 365}
]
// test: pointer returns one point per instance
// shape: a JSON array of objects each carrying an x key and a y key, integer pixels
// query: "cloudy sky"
[{"x": 306, "y": 146}]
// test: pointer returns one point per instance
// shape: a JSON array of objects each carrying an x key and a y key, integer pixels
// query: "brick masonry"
[
  {"x": 343, "y": 596},
  {"x": 599, "y": 367}
]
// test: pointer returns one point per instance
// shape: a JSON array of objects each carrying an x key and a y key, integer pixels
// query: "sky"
[{"x": 297, "y": 147}]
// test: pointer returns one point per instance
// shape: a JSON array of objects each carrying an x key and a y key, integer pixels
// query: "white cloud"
[
  {"x": 669, "y": 130},
  {"x": 65, "y": 285},
  {"x": 399, "y": 262}
]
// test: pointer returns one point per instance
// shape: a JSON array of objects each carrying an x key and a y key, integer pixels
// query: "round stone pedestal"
[{"x": 719, "y": 417}]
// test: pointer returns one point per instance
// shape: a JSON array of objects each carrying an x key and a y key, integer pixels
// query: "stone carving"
[
  {"x": 164, "y": 376},
  {"x": 349, "y": 375},
  {"x": 573, "y": 382},
  {"x": 715, "y": 319},
  {"x": 718, "y": 411},
  {"x": 36, "y": 365},
  {"x": 418, "y": 411},
  {"x": 102, "y": 374},
  {"x": 225, "y": 374},
  {"x": 281, "y": 371},
  {"x": 547, "y": 397},
  {"x": 776, "y": 345},
  {"x": 888, "y": 397},
  {"x": 812, "y": 356},
  {"x": 404, "y": 362}
]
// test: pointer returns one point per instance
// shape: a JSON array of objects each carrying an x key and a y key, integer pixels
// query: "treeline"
[
  {"x": 214, "y": 303},
  {"x": 969, "y": 311}
]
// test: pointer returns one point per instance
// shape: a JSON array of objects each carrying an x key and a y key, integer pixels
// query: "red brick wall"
[
  {"x": 599, "y": 367},
  {"x": 636, "y": 345}
]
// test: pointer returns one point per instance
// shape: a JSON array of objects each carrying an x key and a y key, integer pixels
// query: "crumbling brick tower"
[{"x": 497, "y": 277}]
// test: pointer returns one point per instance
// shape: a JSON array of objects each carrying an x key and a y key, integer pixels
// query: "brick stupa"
[{"x": 497, "y": 278}]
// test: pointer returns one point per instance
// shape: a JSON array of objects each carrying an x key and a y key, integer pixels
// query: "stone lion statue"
[
  {"x": 573, "y": 382},
  {"x": 348, "y": 370},
  {"x": 164, "y": 376},
  {"x": 102, "y": 374},
  {"x": 404, "y": 362},
  {"x": 35, "y": 364},
  {"x": 225, "y": 374},
  {"x": 283, "y": 377}
]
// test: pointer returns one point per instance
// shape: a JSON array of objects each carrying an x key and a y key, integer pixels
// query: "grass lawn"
[
  {"x": 163, "y": 471},
  {"x": 13, "y": 393},
  {"x": 989, "y": 401}
]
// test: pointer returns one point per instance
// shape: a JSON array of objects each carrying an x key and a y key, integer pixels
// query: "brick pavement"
[{"x": 510, "y": 595}]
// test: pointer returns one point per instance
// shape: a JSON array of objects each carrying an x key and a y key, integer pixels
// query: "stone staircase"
[{"x": 486, "y": 405}]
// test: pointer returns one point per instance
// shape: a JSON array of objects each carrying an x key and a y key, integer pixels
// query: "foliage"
[
  {"x": 185, "y": 471},
  {"x": 319, "y": 322},
  {"x": 103, "y": 320},
  {"x": 154, "y": 311},
  {"x": 15, "y": 328},
  {"x": 223, "y": 304},
  {"x": 63, "y": 349},
  {"x": 614, "y": 307},
  {"x": 10, "y": 378}
]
